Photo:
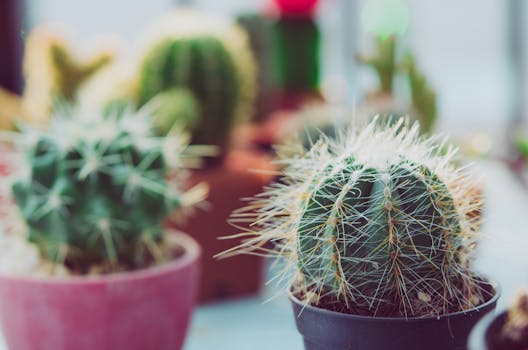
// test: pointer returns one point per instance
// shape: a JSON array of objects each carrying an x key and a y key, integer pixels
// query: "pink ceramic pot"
[{"x": 142, "y": 310}]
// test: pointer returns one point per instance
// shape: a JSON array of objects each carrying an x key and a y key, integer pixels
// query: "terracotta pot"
[
  {"x": 327, "y": 330},
  {"x": 147, "y": 309},
  {"x": 229, "y": 182}
]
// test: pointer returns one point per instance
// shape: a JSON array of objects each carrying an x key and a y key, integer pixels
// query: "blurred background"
[
  {"x": 468, "y": 49},
  {"x": 473, "y": 53}
]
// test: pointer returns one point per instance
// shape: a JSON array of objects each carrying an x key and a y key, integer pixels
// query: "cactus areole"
[{"x": 374, "y": 223}]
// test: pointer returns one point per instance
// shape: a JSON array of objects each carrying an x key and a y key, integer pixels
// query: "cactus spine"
[
  {"x": 97, "y": 191},
  {"x": 214, "y": 63},
  {"x": 374, "y": 223}
]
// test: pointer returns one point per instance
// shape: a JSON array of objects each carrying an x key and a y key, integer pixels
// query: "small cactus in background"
[
  {"x": 514, "y": 334},
  {"x": 53, "y": 74},
  {"x": 375, "y": 222},
  {"x": 11, "y": 109},
  {"x": 212, "y": 61},
  {"x": 96, "y": 190},
  {"x": 52, "y": 77},
  {"x": 384, "y": 62},
  {"x": 422, "y": 95}
]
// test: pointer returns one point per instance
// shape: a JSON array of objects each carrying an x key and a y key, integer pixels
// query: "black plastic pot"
[
  {"x": 328, "y": 330},
  {"x": 485, "y": 335}
]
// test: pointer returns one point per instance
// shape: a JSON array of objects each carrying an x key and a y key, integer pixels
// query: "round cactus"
[
  {"x": 375, "y": 222},
  {"x": 214, "y": 63},
  {"x": 97, "y": 190}
]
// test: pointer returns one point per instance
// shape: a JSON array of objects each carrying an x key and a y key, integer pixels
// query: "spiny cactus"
[
  {"x": 97, "y": 189},
  {"x": 213, "y": 62},
  {"x": 384, "y": 62},
  {"x": 375, "y": 222}
]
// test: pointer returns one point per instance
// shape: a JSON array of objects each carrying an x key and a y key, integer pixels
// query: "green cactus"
[
  {"x": 375, "y": 222},
  {"x": 423, "y": 96},
  {"x": 175, "y": 108},
  {"x": 204, "y": 65},
  {"x": 521, "y": 144},
  {"x": 97, "y": 190},
  {"x": 388, "y": 66},
  {"x": 384, "y": 62}
]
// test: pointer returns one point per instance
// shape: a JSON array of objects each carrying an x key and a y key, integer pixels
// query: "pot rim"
[
  {"x": 492, "y": 300},
  {"x": 191, "y": 255}
]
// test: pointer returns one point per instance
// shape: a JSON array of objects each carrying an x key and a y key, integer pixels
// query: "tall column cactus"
[
  {"x": 383, "y": 62},
  {"x": 209, "y": 58},
  {"x": 374, "y": 223},
  {"x": 97, "y": 190}
]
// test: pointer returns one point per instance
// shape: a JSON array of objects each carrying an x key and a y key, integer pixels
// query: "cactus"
[
  {"x": 384, "y": 62},
  {"x": 422, "y": 95},
  {"x": 213, "y": 62},
  {"x": 96, "y": 189},
  {"x": 11, "y": 108},
  {"x": 514, "y": 333},
  {"x": 375, "y": 222},
  {"x": 53, "y": 74}
]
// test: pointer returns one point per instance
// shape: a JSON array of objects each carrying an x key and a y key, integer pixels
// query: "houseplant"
[
  {"x": 388, "y": 64},
  {"x": 374, "y": 228},
  {"x": 506, "y": 331},
  {"x": 90, "y": 198}
]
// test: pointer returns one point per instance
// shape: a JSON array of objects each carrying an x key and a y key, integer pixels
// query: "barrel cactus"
[
  {"x": 96, "y": 189},
  {"x": 209, "y": 58},
  {"x": 374, "y": 222}
]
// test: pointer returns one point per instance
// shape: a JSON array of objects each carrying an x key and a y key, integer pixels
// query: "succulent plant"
[
  {"x": 514, "y": 333},
  {"x": 96, "y": 189},
  {"x": 384, "y": 62},
  {"x": 53, "y": 74},
  {"x": 374, "y": 222},
  {"x": 213, "y": 62},
  {"x": 422, "y": 95},
  {"x": 53, "y": 77},
  {"x": 388, "y": 65},
  {"x": 10, "y": 109}
]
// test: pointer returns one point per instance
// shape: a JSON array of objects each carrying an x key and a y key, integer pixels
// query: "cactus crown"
[
  {"x": 376, "y": 222},
  {"x": 213, "y": 62},
  {"x": 96, "y": 189}
]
